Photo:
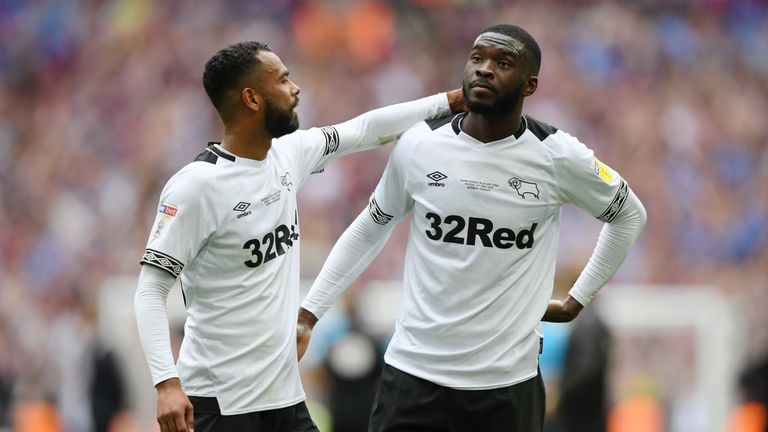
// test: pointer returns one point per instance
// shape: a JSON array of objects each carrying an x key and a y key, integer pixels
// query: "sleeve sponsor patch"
[
  {"x": 168, "y": 209},
  {"x": 165, "y": 214},
  {"x": 162, "y": 261},
  {"x": 602, "y": 170},
  {"x": 377, "y": 213},
  {"x": 616, "y": 205},
  {"x": 331, "y": 139}
]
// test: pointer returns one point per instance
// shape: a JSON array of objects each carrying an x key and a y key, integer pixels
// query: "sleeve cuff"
[{"x": 583, "y": 300}]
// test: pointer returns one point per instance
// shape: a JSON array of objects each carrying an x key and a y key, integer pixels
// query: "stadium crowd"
[{"x": 101, "y": 101}]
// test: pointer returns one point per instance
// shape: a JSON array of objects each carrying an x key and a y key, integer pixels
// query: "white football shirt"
[
  {"x": 229, "y": 227},
  {"x": 480, "y": 261}
]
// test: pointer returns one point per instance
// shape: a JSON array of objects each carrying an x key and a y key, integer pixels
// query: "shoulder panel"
[
  {"x": 539, "y": 128},
  {"x": 211, "y": 154},
  {"x": 207, "y": 156},
  {"x": 439, "y": 122}
]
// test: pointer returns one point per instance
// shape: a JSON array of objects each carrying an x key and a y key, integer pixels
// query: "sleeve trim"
[
  {"x": 377, "y": 214},
  {"x": 163, "y": 262},
  {"x": 616, "y": 205},
  {"x": 331, "y": 139}
]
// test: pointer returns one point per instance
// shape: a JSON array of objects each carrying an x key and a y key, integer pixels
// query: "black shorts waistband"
[{"x": 205, "y": 405}]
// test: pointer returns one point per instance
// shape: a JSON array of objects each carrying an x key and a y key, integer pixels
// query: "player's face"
[
  {"x": 280, "y": 94},
  {"x": 495, "y": 75}
]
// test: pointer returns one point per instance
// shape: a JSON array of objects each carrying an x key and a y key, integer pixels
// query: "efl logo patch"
[
  {"x": 602, "y": 170},
  {"x": 168, "y": 209},
  {"x": 165, "y": 214}
]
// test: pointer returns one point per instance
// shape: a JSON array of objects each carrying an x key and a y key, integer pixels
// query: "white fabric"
[
  {"x": 480, "y": 261},
  {"x": 149, "y": 305},
  {"x": 229, "y": 226},
  {"x": 616, "y": 238}
]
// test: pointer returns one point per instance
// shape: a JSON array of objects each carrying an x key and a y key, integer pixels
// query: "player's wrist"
[
  {"x": 571, "y": 308},
  {"x": 307, "y": 318},
  {"x": 169, "y": 384}
]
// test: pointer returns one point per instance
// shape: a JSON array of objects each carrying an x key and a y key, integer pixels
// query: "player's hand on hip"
[
  {"x": 174, "y": 411},
  {"x": 305, "y": 324},
  {"x": 562, "y": 311}
]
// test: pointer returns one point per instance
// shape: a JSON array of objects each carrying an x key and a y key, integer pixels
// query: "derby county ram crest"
[{"x": 524, "y": 187}]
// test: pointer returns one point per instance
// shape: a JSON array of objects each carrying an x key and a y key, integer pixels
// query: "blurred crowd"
[{"x": 101, "y": 101}]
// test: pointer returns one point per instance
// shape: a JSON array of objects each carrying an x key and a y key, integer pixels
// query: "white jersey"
[
  {"x": 480, "y": 261},
  {"x": 229, "y": 227}
]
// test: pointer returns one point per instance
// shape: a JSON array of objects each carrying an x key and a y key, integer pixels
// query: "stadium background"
[{"x": 101, "y": 101}]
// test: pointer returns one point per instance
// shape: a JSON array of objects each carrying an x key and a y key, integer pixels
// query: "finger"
[
  {"x": 167, "y": 424},
  {"x": 170, "y": 424},
  {"x": 163, "y": 425},
  {"x": 190, "y": 415},
  {"x": 180, "y": 422}
]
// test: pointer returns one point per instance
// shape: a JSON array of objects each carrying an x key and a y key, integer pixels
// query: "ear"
[
  {"x": 251, "y": 99},
  {"x": 530, "y": 86}
]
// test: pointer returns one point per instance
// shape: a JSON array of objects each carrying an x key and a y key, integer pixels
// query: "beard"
[
  {"x": 503, "y": 103},
  {"x": 279, "y": 122}
]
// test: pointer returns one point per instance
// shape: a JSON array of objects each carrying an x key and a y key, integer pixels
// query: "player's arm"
[
  {"x": 383, "y": 125},
  {"x": 361, "y": 242},
  {"x": 616, "y": 239},
  {"x": 315, "y": 147},
  {"x": 613, "y": 245},
  {"x": 183, "y": 223},
  {"x": 174, "y": 411},
  {"x": 356, "y": 248},
  {"x": 602, "y": 192}
]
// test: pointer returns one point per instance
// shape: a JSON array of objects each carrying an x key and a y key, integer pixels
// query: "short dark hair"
[
  {"x": 532, "y": 50},
  {"x": 227, "y": 68}
]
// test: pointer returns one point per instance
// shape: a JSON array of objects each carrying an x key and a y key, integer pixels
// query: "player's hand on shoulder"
[
  {"x": 174, "y": 411},
  {"x": 456, "y": 101}
]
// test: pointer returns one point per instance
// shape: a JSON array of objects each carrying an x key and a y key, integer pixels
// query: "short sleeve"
[
  {"x": 183, "y": 222},
  {"x": 391, "y": 200},
  {"x": 310, "y": 150},
  {"x": 313, "y": 148},
  {"x": 587, "y": 182}
]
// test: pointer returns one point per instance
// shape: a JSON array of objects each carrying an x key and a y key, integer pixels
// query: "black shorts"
[
  {"x": 407, "y": 403},
  {"x": 208, "y": 418}
]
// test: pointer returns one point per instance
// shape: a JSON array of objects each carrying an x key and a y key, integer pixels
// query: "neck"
[
  {"x": 492, "y": 127},
  {"x": 246, "y": 141}
]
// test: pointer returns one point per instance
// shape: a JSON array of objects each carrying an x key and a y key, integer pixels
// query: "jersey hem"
[
  {"x": 259, "y": 408},
  {"x": 418, "y": 374}
]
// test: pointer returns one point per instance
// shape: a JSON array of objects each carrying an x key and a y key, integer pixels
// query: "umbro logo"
[
  {"x": 436, "y": 178},
  {"x": 241, "y": 207}
]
